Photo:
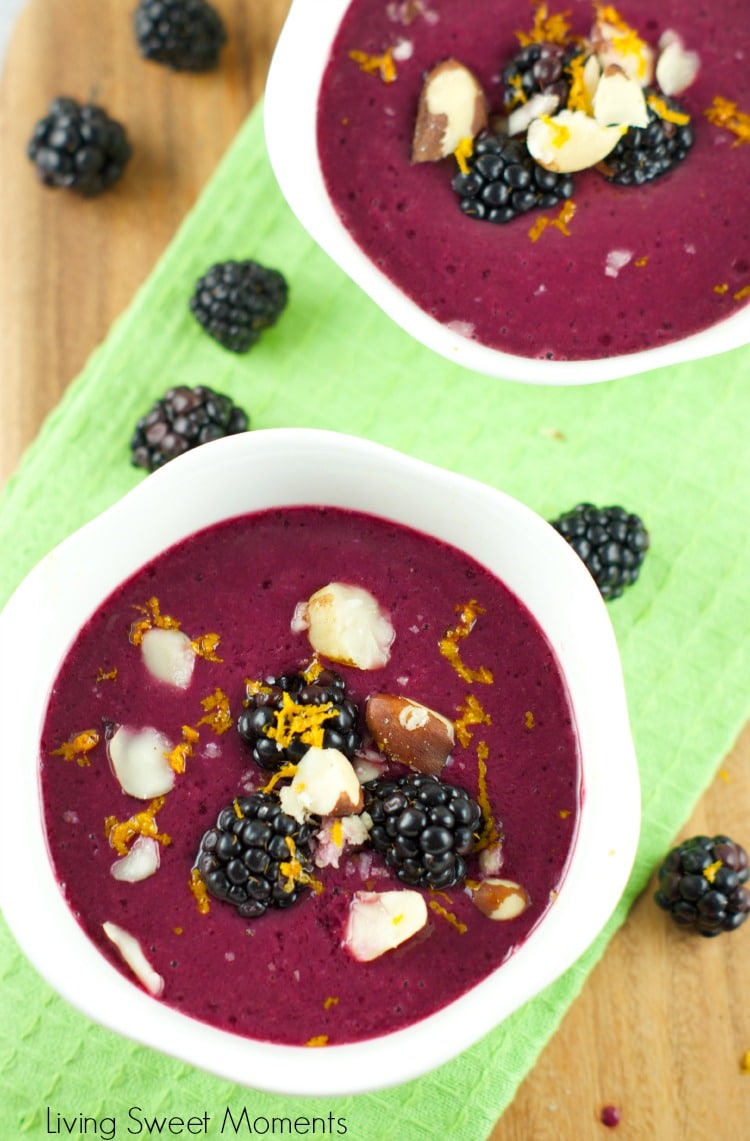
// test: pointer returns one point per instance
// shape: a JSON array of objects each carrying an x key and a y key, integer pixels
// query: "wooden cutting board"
[{"x": 663, "y": 1023}]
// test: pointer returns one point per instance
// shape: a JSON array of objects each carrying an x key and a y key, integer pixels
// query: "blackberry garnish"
[
  {"x": 78, "y": 147},
  {"x": 701, "y": 885},
  {"x": 611, "y": 541},
  {"x": 186, "y": 35},
  {"x": 182, "y": 419},
  {"x": 285, "y": 715},
  {"x": 424, "y": 827},
  {"x": 645, "y": 153},
  {"x": 537, "y": 69},
  {"x": 503, "y": 181},
  {"x": 256, "y": 856},
  {"x": 235, "y": 301}
]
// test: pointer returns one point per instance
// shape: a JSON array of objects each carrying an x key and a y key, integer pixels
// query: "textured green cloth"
[{"x": 671, "y": 445}]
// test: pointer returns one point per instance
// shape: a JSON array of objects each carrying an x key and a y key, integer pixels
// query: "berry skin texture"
[
  {"x": 701, "y": 885},
  {"x": 424, "y": 827},
  {"x": 181, "y": 420},
  {"x": 235, "y": 301},
  {"x": 611, "y": 542},
  {"x": 248, "y": 859},
  {"x": 186, "y": 35},
  {"x": 263, "y": 712},
  {"x": 503, "y": 182},
  {"x": 78, "y": 147}
]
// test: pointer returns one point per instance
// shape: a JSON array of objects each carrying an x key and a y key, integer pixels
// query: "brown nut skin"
[
  {"x": 409, "y": 733},
  {"x": 434, "y": 127},
  {"x": 500, "y": 899}
]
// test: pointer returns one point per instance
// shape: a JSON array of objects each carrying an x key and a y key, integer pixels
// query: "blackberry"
[
  {"x": 424, "y": 827},
  {"x": 503, "y": 181},
  {"x": 256, "y": 856},
  {"x": 283, "y": 716},
  {"x": 611, "y": 542},
  {"x": 235, "y": 301},
  {"x": 538, "y": 68},
  {"x": 701, "y": 885},
  {"x": 645, "y": 153},
  {"x": 182, "y": 419},
  {"x": 186, "y": 35},
  {"x": 78, "y": 147}
]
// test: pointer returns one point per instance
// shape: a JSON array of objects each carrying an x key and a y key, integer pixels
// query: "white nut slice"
[
  {"x": 451, "y": 107},
  {"x": 539, "y": 104},
  {"x": 139, "y": 760},
  {"x": 142, "y": 861},
  {"x": 346, "y": 624},
  {"x": 500, "y": 899},
  {"x": 618, "y": 43},
  {"x": 168, "y": 655},
  {"x": 619, "y": 100},
  {"x": 325, "y": 784},
  {"x": 380, "y": 921},
  {"x": 570, "y": 141},
  {"x": 132, "y": 954},
  {"x": 676, "y": 68}
]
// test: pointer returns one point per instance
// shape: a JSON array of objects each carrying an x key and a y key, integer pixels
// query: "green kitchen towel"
[{"x": 670, "y": 445}]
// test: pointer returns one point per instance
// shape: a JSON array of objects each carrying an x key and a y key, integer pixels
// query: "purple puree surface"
[
  {"x": 687, "y": 232},
  {"x": 286, "y": 977}
]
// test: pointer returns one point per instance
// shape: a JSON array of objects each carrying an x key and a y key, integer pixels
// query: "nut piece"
[
  {"x": 132, "y": 954},
  {"x": 619, "y": 100},
  {"x": 325, "y": 784},
  {"x": 676, "y": 68},
  {"x": 346, "y": 624},
  {"x": 500, "y": 899},
  {"x": 142, "y": 861},
  {"x": 618, "y": 43},
  {"x": 169, "y": 656},
  {"x": 380, "y": 921},
  {"x": 409, "y": 732},
  {"x": 139, "y": 760},
  {"x": 570, "y": 141},
  {"x": 452, "y": 107}
]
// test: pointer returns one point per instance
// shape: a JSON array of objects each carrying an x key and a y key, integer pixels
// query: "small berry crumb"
[{"x": 610, "y": 1116}]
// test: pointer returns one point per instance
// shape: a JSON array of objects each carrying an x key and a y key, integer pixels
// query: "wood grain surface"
[{"x": 663, "y": 1023}]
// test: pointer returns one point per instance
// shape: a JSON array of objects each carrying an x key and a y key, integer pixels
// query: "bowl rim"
[
  {"x": 264, "y": 469},
  {"x": 298, "y": 63}
]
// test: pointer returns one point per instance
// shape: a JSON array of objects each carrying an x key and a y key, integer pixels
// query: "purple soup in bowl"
[
  {"x": 620, "y": 279},
  {"x": 483, "y": 599}
]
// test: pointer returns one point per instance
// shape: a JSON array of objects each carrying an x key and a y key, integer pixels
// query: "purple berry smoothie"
[
  {"x": 285, "y": 977},
  {"x": 639, "y": 267}
]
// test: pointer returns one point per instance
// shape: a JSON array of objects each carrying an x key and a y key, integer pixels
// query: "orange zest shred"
[
  {"x": 382, "y": 65},
  {"x": 332, "y": 1000},
  {"x": 711, "y": 870},
  {"x": 120, "y": 833},
  {"x": 490, "y": 833},
  {"x": 464, "y": 151},
  {"x": 179, "y": 755},
  {"x": 553, "y": 29},
  {"x": 300, "y": 721},
  {"x": 564, "y": 813},
  {"x": 741, "y": 294},
  {"x": 528, "y": 719},
  {"x": 287, "y": 770},
  {"x": 78, "y": 747},
  {"x": 567, "y": 211},
  {"x": 579, "y": 97},
  {"x": 665, "y": 112},
  {"x": 205, "y": 647},
  {"x": 313, "y": 671},
  {"x": 152, "y": 617},
  {"x": 640, "y": 262},
  {"x": 216, "y": 712},
  {"x": 448, "y": 645},
  {"x": 723, "y": 288},
  {"x": 471, "y": 713},
  {"x": 725, "y": 113},
  {"x": 445, "y": 914},
  {"x": 199, "y": 892},
  {"x": 294, "y": 872},
  {"x": 625, "y": 40},
  {"x": 318, "y": 1040},
  {"x": 106, "y": 675}
]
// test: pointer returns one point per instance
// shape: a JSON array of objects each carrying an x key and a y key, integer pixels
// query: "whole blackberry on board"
[
  {"x": 645, "y": 153},
  {"x": 186, "y": 35},
  {"x": 283, "y": 716},
  {"x": 701, "y": 885},
  {"x": 256, "y": 856},
  {"x": 538, "y": 68},
  {"x": 504, "y": 181},
  {"x": 424, "y": 827},
  {"x": 610, "y": 541},
  {"x": 182, "y": 419},
  {"x": 235, "y": 301},
  {"x": 78, "y": 147}
]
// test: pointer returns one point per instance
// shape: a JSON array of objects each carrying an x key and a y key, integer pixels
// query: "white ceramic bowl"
[
  {"x": 291, "y": 101},
  {"x": 275, "y": 468}
]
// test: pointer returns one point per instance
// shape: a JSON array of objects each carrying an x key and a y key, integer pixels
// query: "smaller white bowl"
[
  {"x": 277, "y": 468},
  {"x": 291, "y": 101}
]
